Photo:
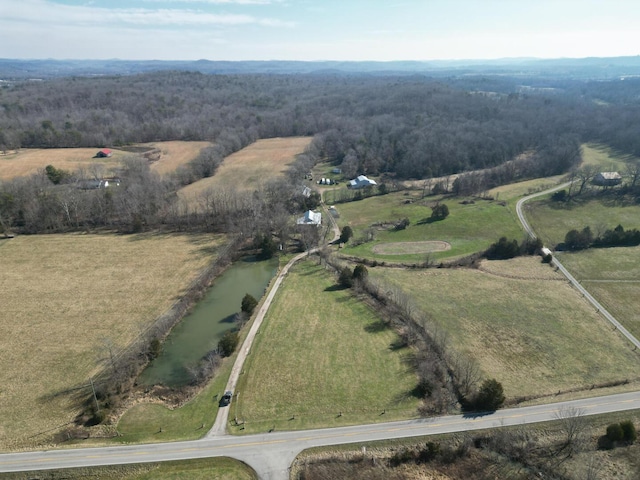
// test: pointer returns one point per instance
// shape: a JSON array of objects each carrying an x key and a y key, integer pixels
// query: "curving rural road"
[
  {"x": 566, "y": 273},
  {"x": 271, "y": 454}
]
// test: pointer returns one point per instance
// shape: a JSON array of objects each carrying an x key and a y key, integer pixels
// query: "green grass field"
[
  {"x": 612, "y": 275},
  {"x": 468, "y": 228},
  {"x": 322, "y": 352},
  {"x": 198, "y": 469},
  {"x": 520, "y": 320},
  {"x": 552, "y": 220}
]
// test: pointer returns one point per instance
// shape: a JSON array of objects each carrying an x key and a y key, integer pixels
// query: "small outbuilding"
[
  {"x": 607, "y": 179},
  {"x": 104, "y": 153}
]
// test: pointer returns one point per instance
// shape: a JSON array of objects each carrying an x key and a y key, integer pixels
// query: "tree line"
[{"x": 411, "y": 127}]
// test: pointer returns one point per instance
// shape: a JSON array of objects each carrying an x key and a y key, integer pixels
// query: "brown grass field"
[
  {"x": 519, "y": 319},
  {"x": 64, "y": 297},
  {"x": 252, "y": 166},
  {"x": 29, "y": 161},
  {"x": 174, "y": 154}
]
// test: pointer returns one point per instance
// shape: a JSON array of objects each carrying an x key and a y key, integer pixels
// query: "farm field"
[
  {"x": 552, "y": 220},
  {"x": 322, "y": 358},
  {"x": 469, "y": 227},
  {"x": 519, "y": 316},
  {"x": 612, "y": 275},
  {"x": 252, "y": 166},
  {"x": 29, "y": 161},
  {"x": 174, "y": 154},
  {"x": 92, "y": 291}
]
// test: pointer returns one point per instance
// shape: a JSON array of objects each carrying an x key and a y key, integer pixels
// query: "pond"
[{"x": 200, "y": 331}]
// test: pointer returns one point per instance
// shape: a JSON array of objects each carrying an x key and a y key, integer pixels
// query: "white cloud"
[
  {"x": 40, "y": 12},
  {"x": 219, "y": 2}
]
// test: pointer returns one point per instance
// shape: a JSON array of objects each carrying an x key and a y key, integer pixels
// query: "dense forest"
[{"x": 408, "y": 126}]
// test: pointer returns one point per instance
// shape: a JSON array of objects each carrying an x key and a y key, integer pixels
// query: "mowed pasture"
[
  {"x": 65, "y": 300},
  {"x": 522, "y": 323},
  {"x": 322, "y": 358},
  {"x": 469, "y": 228},
  {"x": 251, "y": 167},
  {"x": 29, "y": 161}
]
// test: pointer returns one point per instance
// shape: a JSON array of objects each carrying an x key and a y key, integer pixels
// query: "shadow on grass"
[
  {"x": 377, "y": 326},
  {"x": 428, "y": 220},
  {"x": 336, "y": 288},
  {"x": 398, "y": 344}
]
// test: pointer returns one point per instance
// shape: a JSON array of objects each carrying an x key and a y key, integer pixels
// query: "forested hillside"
[
  {"x": 413, "y": 126},
  {"x": 403, "y": 126}
]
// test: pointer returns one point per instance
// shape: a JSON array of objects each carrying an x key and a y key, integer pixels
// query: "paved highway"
[{"x": 272, "y": 453}]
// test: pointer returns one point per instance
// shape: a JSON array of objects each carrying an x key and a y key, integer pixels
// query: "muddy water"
[{"x": 200, "y": 331}]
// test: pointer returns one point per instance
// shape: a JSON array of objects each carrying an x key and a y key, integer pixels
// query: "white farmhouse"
[{"x": 310, "y": 218}]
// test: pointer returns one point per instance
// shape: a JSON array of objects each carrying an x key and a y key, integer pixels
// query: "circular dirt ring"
[{"x": 405, "y": 248}]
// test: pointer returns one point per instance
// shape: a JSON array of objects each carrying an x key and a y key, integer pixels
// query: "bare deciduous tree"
[{"x": 573, "y": 425}]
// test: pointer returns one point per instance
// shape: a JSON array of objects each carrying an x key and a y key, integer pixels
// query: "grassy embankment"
[
  {"x": 322, "y": 358},
  {"x": 66, "y": 299},
  {"x": 199, "y": 469},
  {"x": 29, "y": 161}
]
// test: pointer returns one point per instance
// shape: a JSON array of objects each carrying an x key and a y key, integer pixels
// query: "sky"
[{"x": 380, "y": 30}]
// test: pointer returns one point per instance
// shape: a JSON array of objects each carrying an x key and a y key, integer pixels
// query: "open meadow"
[
  {"x": 322, "y": 358},
  {"x": 472, "y": 225},
  {"x": 252, "y": 166},
  {"x": 612, "y": 275},
  {"x": 68, "y": 300},
  {"x": 31, "y": 160},
  {"x": 174, "y": 154},
  {"x": 167, "y": 157},
  {"x": 519, "y": 319}
]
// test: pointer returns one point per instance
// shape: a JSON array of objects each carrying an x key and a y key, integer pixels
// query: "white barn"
[{"x": 361, "y": 181}]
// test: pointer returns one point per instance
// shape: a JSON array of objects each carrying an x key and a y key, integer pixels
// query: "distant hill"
[{"x": 575, "y": 68}]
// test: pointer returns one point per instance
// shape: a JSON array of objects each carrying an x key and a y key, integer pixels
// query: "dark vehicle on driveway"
[{"x": 226, "y": 398}]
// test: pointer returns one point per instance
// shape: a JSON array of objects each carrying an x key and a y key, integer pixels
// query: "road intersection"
[{"x": 271, "y": 454}]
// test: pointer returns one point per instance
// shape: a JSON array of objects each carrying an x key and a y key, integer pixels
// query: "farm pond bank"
[{"x": 200, "y": 331}]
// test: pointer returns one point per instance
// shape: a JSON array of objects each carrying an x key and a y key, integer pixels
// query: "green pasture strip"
[
  {"x": 552, "y": 220},
  {"x": 538, "y": 330},
  {"x": 219, "y": 468},
  {"x": 323, "y": 358},
  {"x": 605, "y": 158},
  {"x": 612, "y": 276},
  {"x": 468, "y": 228}
]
